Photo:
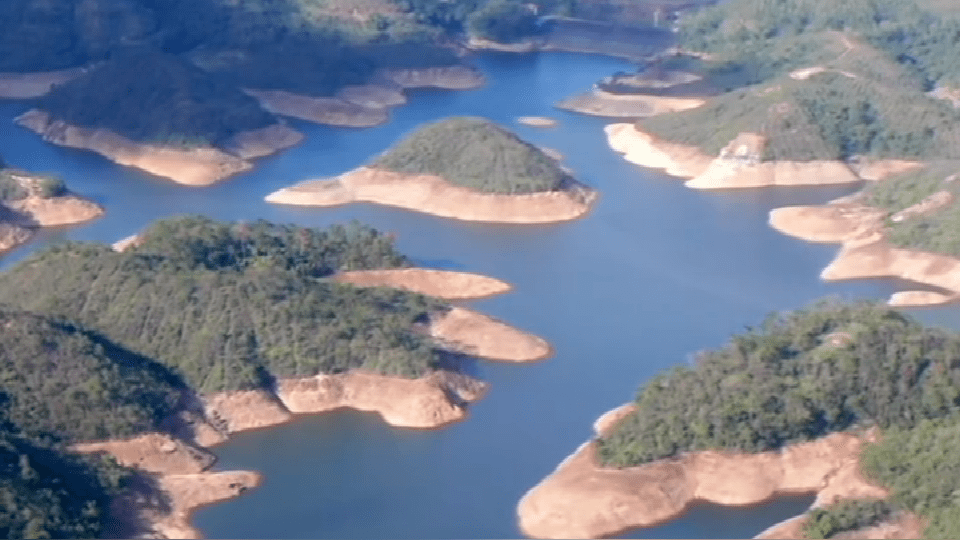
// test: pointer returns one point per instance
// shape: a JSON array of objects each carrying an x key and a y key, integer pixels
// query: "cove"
[{"x": 655, "y": 272}]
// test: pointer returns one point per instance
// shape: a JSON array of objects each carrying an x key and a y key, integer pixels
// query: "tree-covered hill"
[
  {"x": 232, "y": 307},
  {"x": 828, "y": 116},
  {"x": 802, "y": 375},
  {"x": 474, "y": 153},
  {"x": 797, "y": 377},
  {"x": 154, "y": 97}
]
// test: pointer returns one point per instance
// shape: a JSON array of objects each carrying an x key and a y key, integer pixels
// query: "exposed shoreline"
[
  {"x": 598, "y": 102},
  {"x": 445, "y": 284},
  {"x": 194, "y": 167},
  {"x": 21, "y": 218},
  {"x": 581, "y": 499},
  {"x": 737, "y": 165},
  {"x": 367, "y": 105},
  {"x": 865, "y": 253},
  {"x": 436, "y": 196},
  {"x": 28, "y": 85}
]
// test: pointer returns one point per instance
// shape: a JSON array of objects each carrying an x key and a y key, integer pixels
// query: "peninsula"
[
  {"x": 463, "y": 168},
  {"x": 29, "y": 201},
  {"x": 812, "y": 401},
  {"x": 903, "y": 227},
  {"x": 243, "y": 325}
]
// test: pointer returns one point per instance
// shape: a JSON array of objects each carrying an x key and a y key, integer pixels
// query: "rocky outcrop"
[
  {"x": 537, "y": 121},
  {"x": 196, "y": 166},
  {"x": 444, "y": 284},
  {"x": 740, "y": 164},
  {"x": 457, "y": 77},
  {"x": 434, "y": 195},
  {"x": 475, "y": 334},
  {"x": 320, "y": 110},
  {"x": 582, "y": 499}
]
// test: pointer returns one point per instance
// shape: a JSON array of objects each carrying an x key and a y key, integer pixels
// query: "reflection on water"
[{"x": 654, "y": 273}]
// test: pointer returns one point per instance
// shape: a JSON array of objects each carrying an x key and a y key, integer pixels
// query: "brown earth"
[
  {"x": 866, "y": 254},
  {"x": 444, "y": 284},
  {"x": 537, "y": 121},
  {"x": 321, "y": 110},
  {"x": 434, "y": 195},
  {"x": 476, "y": 334},
  {"x": 195, "y": 167},
  {"x": 600, "y": 103},
  {"x": 13, "y": 235},
  {"x": 34, "y": 85},
  {"x": 581, "y": 499}
]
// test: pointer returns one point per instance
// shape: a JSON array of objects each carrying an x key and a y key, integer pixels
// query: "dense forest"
[
  {"x": 153, "y": 97},
  {"x": 828, "y": 116},
  {"x": 232, "y": 307},
  {"x": 804, "y": 374},
  {"x": 60, "y": 384},
  {"x": 16, "y": 185},
  {"x": 474, "y": 153}
]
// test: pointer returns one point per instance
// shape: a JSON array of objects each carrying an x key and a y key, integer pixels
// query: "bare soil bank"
[
  {"x": 366, "y": 105},
  {"x": 581, "y": 499},
  {"x": 19, "y": 219},
  {"x": 865, "y": 253},
  {"x": 600, "y": 103},
  {"x": 436, "y": 196},
  {"x": 739, "y": 165},
  {"x": 444, "y": 284},
  {"x": 195, "y": 167},
  {"x": 36, "y": 84}
]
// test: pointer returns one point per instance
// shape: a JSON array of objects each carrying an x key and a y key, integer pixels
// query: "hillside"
[
  {"x": 826, "y": 116},
  {"x": 156, "y": 98},
  {"x": 474, "y": 153},
  {"x": 231, "y": 308},
  {"x": 802, "y": 375}
]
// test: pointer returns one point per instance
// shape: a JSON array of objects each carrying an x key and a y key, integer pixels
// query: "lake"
[{"x": 656, "y": 272}]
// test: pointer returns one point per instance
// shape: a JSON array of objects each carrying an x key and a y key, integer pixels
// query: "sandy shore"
[
  {"x": 865, "y": 253},
  {"x": 36, "y": 84},
  {"x": 436, "y": 196},
  {"x": 195, "y": 167},
  {"x": 737, "y": 165},
  {"x": 475, "y": 334},
  {"x": 600, "y": 103},
  {"x": 445, "y": 284},
  {"x": 581, "y": 499}
]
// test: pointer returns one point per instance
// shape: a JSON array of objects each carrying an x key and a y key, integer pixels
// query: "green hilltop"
[
  {"x": 475, "y": 153},
  {"x": 828, "y": 116},
  {"x": 156, "y": 97},
  {"x": 802, "y": 375}
]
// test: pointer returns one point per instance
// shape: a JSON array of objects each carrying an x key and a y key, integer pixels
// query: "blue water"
[{"x": 654, "y": 273}]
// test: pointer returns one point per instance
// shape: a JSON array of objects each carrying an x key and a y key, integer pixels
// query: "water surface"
[{"x": 653, "y": 274}]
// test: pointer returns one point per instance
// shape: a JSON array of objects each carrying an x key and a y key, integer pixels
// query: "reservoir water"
[{"x": 654, "y": 273}]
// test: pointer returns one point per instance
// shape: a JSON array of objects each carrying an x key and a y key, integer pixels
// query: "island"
[
  {"x": 199, "y": 329},
  {"x": 464, "y": 168},
  {"x": 29, "y": 201},
  {"x": 852, "y": 401},
  {"x": 805, "y": 103}
]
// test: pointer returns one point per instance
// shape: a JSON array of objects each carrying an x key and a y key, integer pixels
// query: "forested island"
[
  {"x": 834, "y": 399},
  {"x": 464, "y": 168},
  {"x": 200, "y": 329},
  {"x": 29, "y": 201}
]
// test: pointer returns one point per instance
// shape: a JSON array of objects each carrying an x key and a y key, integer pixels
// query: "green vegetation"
[
  {"x": 799, "y": 376},
  {"x": 474, "y": 153},
  {"x": 504, "y": 21},
  {"x": 16, "y": 185},
  {"x": 232, "y": 307},
  {"x": 154, "y": 97},
  {"x": 920, "y": 468},
  {"x": 829, "y": 116},
  {"x": 846, "y": 515}
]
